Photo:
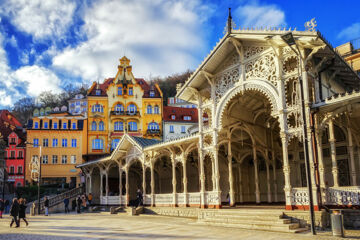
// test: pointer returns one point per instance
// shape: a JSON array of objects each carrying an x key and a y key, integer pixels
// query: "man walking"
[
  {"x": 66, "y": 203},
  {"x": 90, "y": 198},
  {"x": 14, "y": 212},
  {"x": 46, "y": 205}
]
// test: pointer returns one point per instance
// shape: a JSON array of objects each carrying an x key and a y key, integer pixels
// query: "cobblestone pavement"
[{"x": 122, "y": 226}]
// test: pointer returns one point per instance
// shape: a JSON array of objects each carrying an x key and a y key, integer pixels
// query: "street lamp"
[
  {"x": 288, "y": 38},
  {"x": 35, "y": 166}
]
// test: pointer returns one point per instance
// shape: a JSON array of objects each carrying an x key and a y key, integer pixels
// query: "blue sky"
[{"x": 45, "y": 44}]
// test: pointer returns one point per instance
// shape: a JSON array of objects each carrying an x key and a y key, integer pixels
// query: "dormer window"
[
  {"x": 131, "y": 91},
  {"x": 98, "y": 92},
  {"x": 187, "y": 118},
  {"x": 119, "y": 91},
  {"x": 173, "y": 117},
  {"x": 152, "y": 93}
]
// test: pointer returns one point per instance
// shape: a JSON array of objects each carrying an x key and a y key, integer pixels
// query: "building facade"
[
  {"x": 60, "y": 139},
  {"x": 78, "y": 105},
  {"x": 15, "y": 158},
  {"x": 119, "y": 105},
  {"x": 177, "y": 102},
  {"x": 350, "y": 51},
  {"x": 252, "y": 149},
  {"x": 178, "y": 122}
]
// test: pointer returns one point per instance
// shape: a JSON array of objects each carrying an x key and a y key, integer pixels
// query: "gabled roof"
[
  {"x": 147, "y": 88},
  {"x": 8, "y": 124},
  {"x": 100, "y": 86},
  {"x": 144, "y": 142},
  {"x": 179, "y": 113}
]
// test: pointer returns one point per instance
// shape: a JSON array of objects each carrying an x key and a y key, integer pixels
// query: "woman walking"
[
  {"x": 78, "y": 204},
  {"x": 46, "y": 205},
  {"x": 22, "y": 210},
  {"x": 14, "y": 212}
]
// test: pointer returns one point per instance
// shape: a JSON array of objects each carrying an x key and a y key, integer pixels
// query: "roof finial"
[{"x": 229, "y": 22}]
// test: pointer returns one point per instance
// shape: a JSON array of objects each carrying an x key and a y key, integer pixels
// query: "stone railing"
[
  {"x": 123, "y": 199},
  {"x": 342, "y": 195},
  {"x": 164, "y": 199},
  {"x": 211, "y": 198},
  {"x": 147, "y": 199},
  {"x": 194, "y": 198},
  {"x": 299, "y": 196},
  {"x": 180, "y": 198},
  {"x": 109, "y": 200}
]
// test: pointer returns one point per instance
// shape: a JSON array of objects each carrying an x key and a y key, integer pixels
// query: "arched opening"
[
  {"x": 208, "y": 173},
  {"x": 113, "y": 178},
  {"x": 163, "y": 176},
  {"x": 148, "y": 180},
  {"x": 135, "y": 179},
  {"x": 192, "y": 172}
]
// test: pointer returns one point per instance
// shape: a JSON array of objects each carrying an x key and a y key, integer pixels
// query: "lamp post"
[
  {"x": 38, "y": 166},
  {"x": 288, "y": 38}
]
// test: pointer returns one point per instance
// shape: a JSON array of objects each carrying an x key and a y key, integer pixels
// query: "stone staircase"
[{"x": 256, "y": 219}]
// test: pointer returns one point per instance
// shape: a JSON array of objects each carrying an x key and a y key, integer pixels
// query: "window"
[
  {"x": 20, "y": 170},
  {"x": 187, "y": 118},
  {"x": 45, "y": 142},
  {"x": 55, "y": 142},
  {"x": 12, "y": 140},
  {"x": 101, "y": 126},
  {"x": 73, "y": 159},
  {"x": 152, "y": 93},
  {"x": 131, "y": 91},
  {"x": 97, "y": 144},
  {"x": 119, "y": 90},
  {"x": 55, "y": 125},
  {"x": 132, "y": 126},
  {"x": 114, "y": 143},
  {"x": 73, "y": 125},
  {"x": 171, "y": 129},
  {"x": 118, "y": 126},
  {"x": 93, "y": 126},
  {"x": 64, "y": 159},
  {"x": 64, "y": 142},
  {"x": 182, "y": 129},
  {"x": 12, "y": 169},
  {"x": 173, "y": 117},
  {"x": 78, "y": 103},
  {"x": 153, "y": 126},
  {"x": 12, "y": 154},
  {"x": 36, "y": 125},
  {"x": 131, "y": 108},
  {"x": 97, "y": 92},
  {"x": 171, "y": 100},
  {"x": 64, "y": 125},
  {"x": 45, "y": 159},
  {"x": 20, "y": 154},
  {"x": 73, "y": 143},
  {"x": 119, "y": 108},
  {"x": 97, "y": 108},
  {"x": 36, "y": 142},
  {"x": 54, "y": 159},
  {"x": 46, "y": 125},
  {"x": 156, "y": 109},
  {"x": 149, "y": 109}
]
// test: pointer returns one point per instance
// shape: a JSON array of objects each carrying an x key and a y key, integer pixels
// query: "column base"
[{"x": 301, "y": 207}]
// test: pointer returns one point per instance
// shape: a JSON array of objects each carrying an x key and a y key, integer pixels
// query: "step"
[
  {"x": 282, "y": 222},
  {"x": 248, "y": 216}
]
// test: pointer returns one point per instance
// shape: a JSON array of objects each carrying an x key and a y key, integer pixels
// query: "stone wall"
[
  {"x": 351, "y": 218},
  {"x": 322, "y": 218}
]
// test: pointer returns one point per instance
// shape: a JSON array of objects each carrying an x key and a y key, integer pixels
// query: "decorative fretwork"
[
  {"x": 262, "y": 68},
  {"x": 232, "y": 60},
  {"x": 343, "y": 196},
  {"x": 252, "y": 50},
  {"x": 290, "y": 65},
  {"x": 299, "y": 196},
  {"x": 294, "y": 117},
  {"x": 226, "y": 81}
]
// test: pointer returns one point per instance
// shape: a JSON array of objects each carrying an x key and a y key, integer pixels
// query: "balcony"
[
  {"x": 153, "y": 132},
  {"x": 124, "y": 113}
]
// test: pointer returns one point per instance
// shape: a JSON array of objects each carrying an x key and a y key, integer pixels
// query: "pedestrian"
[
  {"x": 83, "y": 201},
  {"x": 90, "y": 198},
  {"x": 139, "y": 198},
  {"x": 66, "y": 203},
  {"x": 14, "y": 212},
  {"x": 46, "y": 205},
  {"x": 78, "y": 204},
  {"x": 7, "y": 205},
  {"x": 2, "y": 207},
  {"x": 22, "y": 210},
  {"x": 73, "y": 204}
]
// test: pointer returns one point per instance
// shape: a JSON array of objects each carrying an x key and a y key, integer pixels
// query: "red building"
[{"x": 12, "y": 132}]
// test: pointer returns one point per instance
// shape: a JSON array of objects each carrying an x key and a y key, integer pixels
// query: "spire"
[{"x": 229, "y": 22}]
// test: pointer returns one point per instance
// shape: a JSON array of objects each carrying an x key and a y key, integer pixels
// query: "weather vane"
[{"x": 310, "y": 25}]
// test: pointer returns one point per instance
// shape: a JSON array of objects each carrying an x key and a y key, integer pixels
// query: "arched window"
[
  {"x": 131, "y": 108},
  {"x": 97, "y": 108},
  {"x": 132, "y": 126},
  {"x": 101, "y": 126},
  {"x": 156, "y": 109},
  {"x": 97, "y": 144},
  {"x": 114, "y": 143},
  {"x": 119, "y": 90},
  {"x": 149, "y": 109},
  {"x": 118, "y": 126},
  {"x": 93, "y": 126},
  {"x": 119, "y": 108},
  {"x": 153, "y": 126}
]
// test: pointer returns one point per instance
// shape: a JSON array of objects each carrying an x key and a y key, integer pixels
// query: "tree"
[{"x": 23, "y": 109}]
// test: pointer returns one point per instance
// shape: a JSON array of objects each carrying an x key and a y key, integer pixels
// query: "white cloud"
[
  {"x": 350, "y": 32},
  {"x": 40, "y": 18},
  {"x": 13, "y": 41},
  {"x": 255, "y": 15},
  {"x": 160, "y": 37}
]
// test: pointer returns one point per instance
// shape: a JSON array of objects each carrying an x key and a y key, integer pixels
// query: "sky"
[{"x": 47, "y": 44}]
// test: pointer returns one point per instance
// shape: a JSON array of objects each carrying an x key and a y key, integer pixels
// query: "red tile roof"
[
  {"x": 179, "y": 114},
  {"x": 8, "y": 123},
  {"x": 147, "y": 88},
  {"x": 102, "y": 86}
]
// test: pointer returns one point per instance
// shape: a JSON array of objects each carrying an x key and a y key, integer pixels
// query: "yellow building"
[
  {"x": 63, "y": 141},
  {"x": 123, "y": 104},
  {"x": 351, "y": 54}
]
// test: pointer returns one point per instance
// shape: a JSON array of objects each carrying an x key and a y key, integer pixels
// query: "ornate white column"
[
  {"x": 286, "y": 169},
  {"x": 268, "y": 180},
  {"x": 120, "y": 184},
  {"x": 352, "y": 160},
  {"x": 216, "y": 187},
  {"x": 144, "y": 183},
  {"x": 173, "y": 163},
  {"x": 257, "y": 189},
  {"x": 127, "y": 185},
  {"x": 152, "y": 183},
  {"x": 231, "y": 179},
  {"x": 200, "y": 153},
  {"x": 273, "y": 158},
  {"x": 101, "y": 183},
  {"x": 332, "y": 142},
  {"x": 107, "y": 182},
  {"x": 185, "y": 181},
  {"x": 320, "y": 159},
  {"x": 240, "y": 184}
]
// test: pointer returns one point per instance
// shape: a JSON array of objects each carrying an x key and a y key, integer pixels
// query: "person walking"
[
  {"x": 14, "y": 212},
  {"x": 90, "y": 198},
  {"x": 2, "y": 207},
  {"x": 46, "y": 205},
  {"x": 7, "y": 204},
  {"x": 22, "y": 210},
  {"x": 73, "y": 204},
  {"x": 139, "y": 198},
  {"x": 78, "y": 204},
  {"x": 66, "y": 203}
]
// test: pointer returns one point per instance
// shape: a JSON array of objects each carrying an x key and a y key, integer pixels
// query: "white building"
[
  {"x": 177, "y": 122},
  {"x": 78, "y": 105},
  {"x": 177, "y": 102}
]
